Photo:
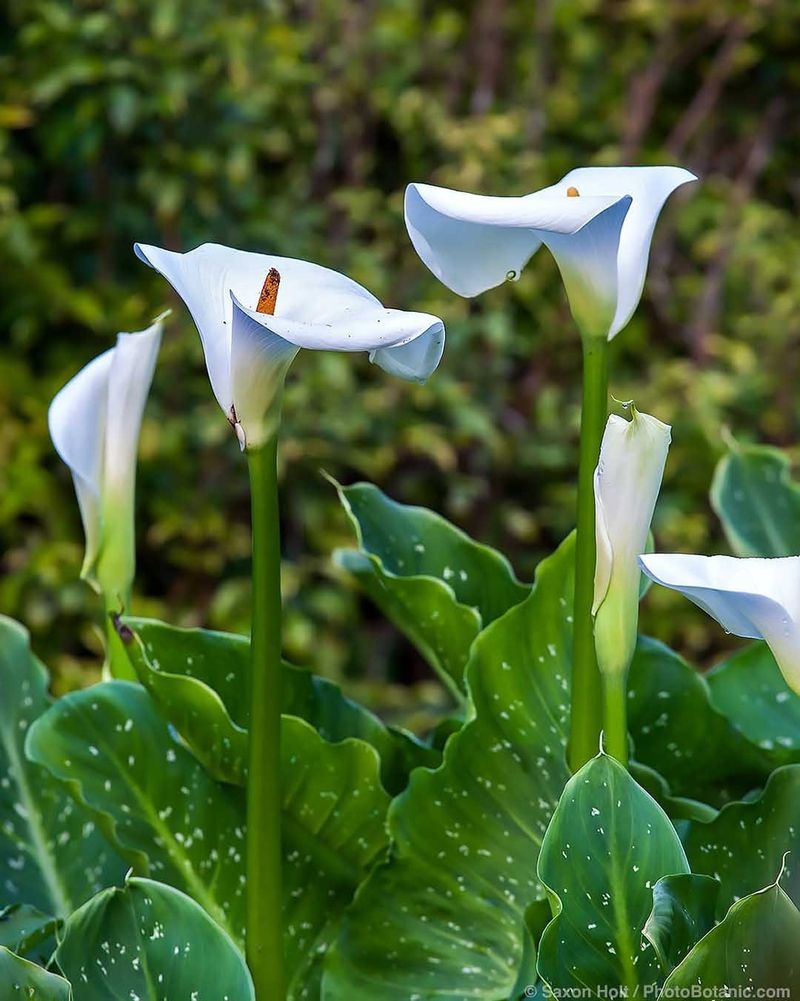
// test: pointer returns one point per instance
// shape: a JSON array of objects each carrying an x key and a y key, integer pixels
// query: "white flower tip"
[
  {"x": 147, "y": 254},
  {"x": 417, "y": 359}
]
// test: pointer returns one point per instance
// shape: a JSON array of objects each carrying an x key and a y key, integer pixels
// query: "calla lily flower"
[
  {"x": 254, "y": 312},
  {"x": 626, "y": 485},
  {"x": 94, "y": 424},
  {"x": 598, "y": 223},
  {"x": 754, "y": 598}
]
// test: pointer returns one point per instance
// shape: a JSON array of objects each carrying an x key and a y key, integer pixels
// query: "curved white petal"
[
  {"x": 626, "y": 484},
  {"x": 755, "y": 598},
  {"x": 133, "y": 364},
  {"x": 94, "y": 423},
  {"x": 415, "y": 360},
  {"x": 77, "y": 421},
  {"x": 408, "y": 345},
  {"x": 474, "y": 242},
  {"x": 316, "y": 308},
  {"x": 649, "y": 188},
  {"x": 587, "y": 261},
  {"x": 259, "y": 362}
]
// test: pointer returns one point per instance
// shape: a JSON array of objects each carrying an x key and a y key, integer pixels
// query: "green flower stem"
[
  {"x": 264, "y": 933},
  {"x": 615, "y": 714},
  {"x": 586, "y": 717}
]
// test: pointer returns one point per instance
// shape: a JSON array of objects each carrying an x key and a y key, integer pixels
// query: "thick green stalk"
[
  {"x": 586, "y": 717},
  {"x": 615, "y": 715},
  {"x": 117, "y": 664},
  {"x": 264, "y": 933}
]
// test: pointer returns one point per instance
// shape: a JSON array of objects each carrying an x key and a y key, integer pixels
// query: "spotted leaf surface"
[
  {"x": 171, "y": 817},
  {"x": 607, "y": 845},
  {"x": 436, "y": 584},
  {"x": 757, "y": 502},
  {"x": 162, "y": 809},
  {"x": 445, "y": 916},
  {"x": 750, "y": 690},
  {"x": 678, "y": 730},
  {"x": 683, "y": 911},
  {"x": 52, "y": 857},
  {"x": 150, "y": 942},
  {"x": 22, "y": 979},
  {"x": 197, "y": 679},
  {"x": 755, "y": 947},
  {"x": 744, "y": 847}
]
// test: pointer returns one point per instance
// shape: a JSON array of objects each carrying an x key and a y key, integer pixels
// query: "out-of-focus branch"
[
  {"x": 489, "y": 38},
  {"x": 722, "y": 67},
  {"x": 707, "y": 308},
  {"x": 643, "y": 95}
]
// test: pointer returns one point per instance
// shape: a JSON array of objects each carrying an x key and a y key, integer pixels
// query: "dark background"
[{"x": 293, "y": 128}]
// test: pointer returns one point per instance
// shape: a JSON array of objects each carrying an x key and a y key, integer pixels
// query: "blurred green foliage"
[{"x": 292, "y": 128}]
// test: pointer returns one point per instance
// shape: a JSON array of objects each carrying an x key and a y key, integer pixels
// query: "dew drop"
[{"x": 512, "y": 276}]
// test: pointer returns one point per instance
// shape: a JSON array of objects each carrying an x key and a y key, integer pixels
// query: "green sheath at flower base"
[
  {"x": 94, "y": 423},
  {"x": 626, "y": 485}
]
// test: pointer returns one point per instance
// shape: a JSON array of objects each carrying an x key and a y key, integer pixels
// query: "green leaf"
[
  {"x": 677, "y": 729},
  {"x": 683, "y": 911},
  {"x": 745, "y": 845},
  {"x": 462, "y": 871},
  {"x": 169, "y": 816},
  {"x": 21, "y": 979},
  {"x": 757, "y": 502},
  {"x": 150, "y": 942},
  {"x": 52, "y": 857},
  {"x": 677, "y": 808},
  {"x": 608, "y": 843},
  {"x": 755, "y": 946},
  {"x": 750, "y": 690},
  {"x": 23, "y": 927},
  {"x": 156, "y": 803},
  {"x": 436, "y": 584},
  {"x": 197, "y": 679}
]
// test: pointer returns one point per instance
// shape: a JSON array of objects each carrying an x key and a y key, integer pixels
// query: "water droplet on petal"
[{"x": 512, "y": 276}]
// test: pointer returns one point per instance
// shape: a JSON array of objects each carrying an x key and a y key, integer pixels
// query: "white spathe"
[
  {"x": 94, "y": 423},
  {"x": 626, "y": 485},
  {"x": 600, "y": 237},
  {"x": 247, "y": 353},
  {"x": 754, "y": 598}
]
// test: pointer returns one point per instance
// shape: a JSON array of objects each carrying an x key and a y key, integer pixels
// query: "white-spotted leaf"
[
  {"x": 435, "y": 583},
  {"x": 607, "y": 845},
  {"x": 150, "y": 942}
]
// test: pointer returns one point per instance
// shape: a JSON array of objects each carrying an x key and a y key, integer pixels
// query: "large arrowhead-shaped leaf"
[
  {"x": 21, "y": 979},
  {"x": 52, "y": 857},
  {"x": 755, "y": 947},
  {"x": 745, "y": 845},
  {"x": 166, "y": 813},
  {"x": 757, "y": 502},
  {"x": 677, "y": 729},
  {"x": 608, "y": 843},
  {"x": 445, "y": 916},
  {"x": 683, "y": 911},
  {"x": 436, "y": 584},
  {"x": 750, "y": 690},
  {"x": 198, "y": 680},
  {"x": 150, "y": 942}
]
